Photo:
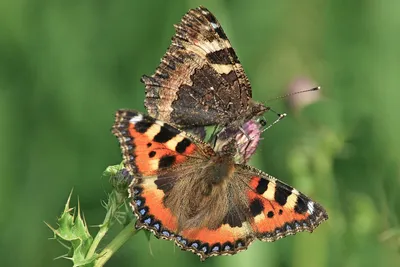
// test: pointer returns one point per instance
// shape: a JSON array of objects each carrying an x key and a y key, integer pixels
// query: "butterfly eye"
[{"x": 263, "y": 122}]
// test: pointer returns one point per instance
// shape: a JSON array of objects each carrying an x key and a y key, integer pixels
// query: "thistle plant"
[{"x": 73, "y": 233}]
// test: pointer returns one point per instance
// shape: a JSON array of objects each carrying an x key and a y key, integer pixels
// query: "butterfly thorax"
[{"x": 218, "y": 169}]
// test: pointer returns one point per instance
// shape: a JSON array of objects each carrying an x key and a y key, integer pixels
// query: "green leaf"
[{"x": 73, "y": 229}]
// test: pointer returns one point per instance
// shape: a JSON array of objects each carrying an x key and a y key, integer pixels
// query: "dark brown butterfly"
[{"x": 200, "y": 80}]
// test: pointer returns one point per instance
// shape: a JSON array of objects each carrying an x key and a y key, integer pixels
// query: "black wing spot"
[
  {"x": 270, "y": 214},
  {"x": 282, "y": 192},
  {"x": 262, "y": 186},
  {"x": 256, "y": 207},
  {"x": 166, "y": 161},
  {"x": 164, "y": 135},
  {"x": 152, "y": 154},
  {"x": 143, "y": 126},
  {"x": 301, "y": 204},
  {"x": 182, "y": 145}
]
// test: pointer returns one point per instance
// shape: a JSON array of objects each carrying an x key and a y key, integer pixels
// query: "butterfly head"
[{"x": 255, "y": 109}]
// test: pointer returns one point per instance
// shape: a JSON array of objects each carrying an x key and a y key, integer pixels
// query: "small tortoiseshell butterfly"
[
  {"x": 183, "y": 190},
  {"x": 200, "y": 80}
]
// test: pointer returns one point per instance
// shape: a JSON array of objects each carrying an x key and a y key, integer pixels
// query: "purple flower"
[{"x": 247, "y": 139}]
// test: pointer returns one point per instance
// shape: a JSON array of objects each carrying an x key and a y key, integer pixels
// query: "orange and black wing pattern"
[
  {"x": 279, "y": 210},
  {"x": 160, "y": 158},
  {"x": 184, "y": 191}
]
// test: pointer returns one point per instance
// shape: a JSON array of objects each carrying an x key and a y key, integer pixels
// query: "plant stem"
[
  {"x": 100, "y": 234},
  {"x": 103, "y": 228},
  {"x": 116, "y": 243}
]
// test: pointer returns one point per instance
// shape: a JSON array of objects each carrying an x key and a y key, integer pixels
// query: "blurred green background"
[{"x": 67, "y": 66}]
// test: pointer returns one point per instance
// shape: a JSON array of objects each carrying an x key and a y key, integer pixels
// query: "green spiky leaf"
[{"x": 72, "y": 229}]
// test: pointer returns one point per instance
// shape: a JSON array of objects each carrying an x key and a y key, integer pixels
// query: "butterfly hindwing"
[{"x": 200, "y": 80}]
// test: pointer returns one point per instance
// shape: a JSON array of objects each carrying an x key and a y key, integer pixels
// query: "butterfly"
[
  {"x": 200, "y": 80},
  {"x": 184, "y": 190}
]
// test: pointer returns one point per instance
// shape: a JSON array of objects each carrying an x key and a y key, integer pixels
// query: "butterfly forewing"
[{"x": 277, "y": 209}]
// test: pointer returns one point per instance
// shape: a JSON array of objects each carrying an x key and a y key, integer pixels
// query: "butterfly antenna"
[
  {"x": 295, "y": 93},
  {"x": 283, "y": 115},
  {"x": 280, "y": 117}
]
